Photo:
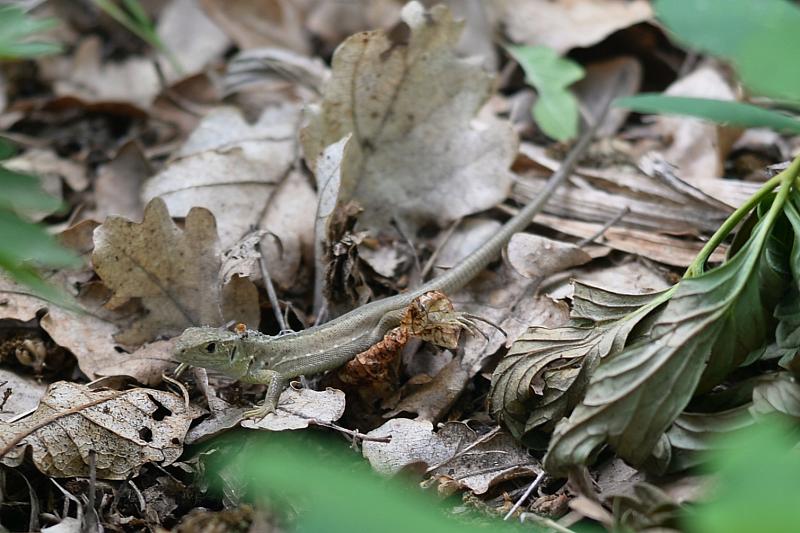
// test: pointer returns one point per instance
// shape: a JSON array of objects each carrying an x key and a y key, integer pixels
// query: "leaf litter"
[{"x": 348, "y": 184}]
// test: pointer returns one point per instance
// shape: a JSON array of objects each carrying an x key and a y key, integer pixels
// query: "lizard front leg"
[{"x": 275, "y": 383}]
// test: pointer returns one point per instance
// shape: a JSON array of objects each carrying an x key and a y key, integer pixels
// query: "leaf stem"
[{"x": 789, "y": 175}]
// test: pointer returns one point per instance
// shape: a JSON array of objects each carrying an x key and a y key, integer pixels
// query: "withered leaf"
[
  {"x": 297, "y": 408},
  {"x": 410, "y": 106},
  {"x": 125, "y": 430},
  {"x": 174, "y": 272},
  {"x": 457, "y": 452}
]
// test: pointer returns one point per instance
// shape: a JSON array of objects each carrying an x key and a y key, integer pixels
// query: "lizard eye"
[{"x": 211, "y": 347}]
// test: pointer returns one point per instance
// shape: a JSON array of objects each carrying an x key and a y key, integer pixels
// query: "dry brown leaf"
[
  {"x": 298, "y": 408},
  {"x": 414, "y": 443},
  {"x": 125, "y": 429},
  {"x": 696, "y": 147},
  {"x": 334, "y": 21},
  {"x": 260, "y": 23},
  {"x": 18, "y": 302},
  {"x": 534, "y": 256},
  {"x": 416, "y": 152},
  {"x": 623, "y": 76},
  {"x": 89, "y": 334},
  {"x": 118, "y": 183},
  {"x": 567, "y": 24},
  {"x": 174, "y": 272},
  {"x": 431, "y": 400}
]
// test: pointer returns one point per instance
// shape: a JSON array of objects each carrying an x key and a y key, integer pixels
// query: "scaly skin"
[{"x": 253, "y": 357}]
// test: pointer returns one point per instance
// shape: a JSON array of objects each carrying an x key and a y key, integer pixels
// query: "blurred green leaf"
[
  {"x": 17, "y": 30},
  {"x": 556, "y": 109},
  {"x": 337, "y": 493},
  {"x": 719, "y": 111},
  {"x": 759, "y": 38},
  {"x": 758, "y": 472}
]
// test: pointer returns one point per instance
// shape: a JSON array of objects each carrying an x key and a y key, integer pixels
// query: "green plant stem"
[{"x": 787, "y": 176}]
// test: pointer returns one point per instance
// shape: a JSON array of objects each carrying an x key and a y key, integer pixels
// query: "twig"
[
  {"x": 271, "y": 294},
  {"x": 448, "y": 233},
  {"x": 588, "y": 240},
  {"x": 184, "y": 391},
  {"x": 525, "y": 495},
  {"x": 350, "y": 432},
  {"x": 49, "y": 420}
]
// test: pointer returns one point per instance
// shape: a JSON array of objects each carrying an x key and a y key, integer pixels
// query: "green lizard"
[{"x": 253, "y": 357}]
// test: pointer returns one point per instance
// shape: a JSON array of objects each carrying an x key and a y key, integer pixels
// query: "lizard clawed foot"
[{"x": 260, "y": 411}]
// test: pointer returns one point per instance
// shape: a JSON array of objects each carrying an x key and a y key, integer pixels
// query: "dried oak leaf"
[
  {"x": 174, "y": 272},
  {"x": 460, "y": 456},
  {"x": 409, "y": 105},
  {"x": 125, "y": 429}
]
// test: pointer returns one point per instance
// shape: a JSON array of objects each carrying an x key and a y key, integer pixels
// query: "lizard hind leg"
[{"x": 275, "y": 385}]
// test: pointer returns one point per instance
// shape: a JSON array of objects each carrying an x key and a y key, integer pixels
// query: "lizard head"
[{"x": 213, "y": 348}]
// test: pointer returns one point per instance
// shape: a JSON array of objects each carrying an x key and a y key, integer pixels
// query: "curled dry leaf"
[
  {"x": 174, "y": 272},
  {"x": 567, "y": 24},
  {"x": 696, "y": 147},
  {"x": 413, "y": 126},
  {"x": 125, "y": 429},
  {"x": 297, "y": 408}
]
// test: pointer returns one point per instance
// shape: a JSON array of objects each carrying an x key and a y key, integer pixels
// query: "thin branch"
[{"x": 525, "y": 495}]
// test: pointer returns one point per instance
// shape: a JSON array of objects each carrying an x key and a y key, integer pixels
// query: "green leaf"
[
  {"x": 756, "y": 487},
  {"x": 16, "y": 31},
  {"x": 545, "y": 371},
  {"x": 710, "y": 325},
  {"x": 787, "y": 334},
  {"x": 22, "y": 192},
  {"x": 754, "y": 36},
  {"x": 694, "y": 433},
  {"x": 556, "y": 109},
  {"x": 719, "y": 111}
]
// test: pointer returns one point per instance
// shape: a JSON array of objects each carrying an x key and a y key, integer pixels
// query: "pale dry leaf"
[
  {"x": 174, "y": 272},
  {"x": 276, "y": 67},
  {"x": 696, "y": 147},
  {"x": 534, "y": 256},
  {"x": 89, "y": 334},
  {"x": 417, "y": 152},
  {"x": 627, "y": 277},
  {"x": 146, "y": 365},
  {"x": 118, "y": 183},
  {"x": 87, "y": 77},
  {"x": 233, "y": 168},
  {"x": 414, "y": 444},
  {"x": 566, "y": 24},
  {"x": 51, "y": 168},
  {"x": 260, "y": 23},
  {"x": 298, "y": 408},
  {"x": 18, "y": 302},
  {"x": 125, "y": 431},
  {"x": 190, "y": 36},
  {"x": 18, "y": 394}
]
